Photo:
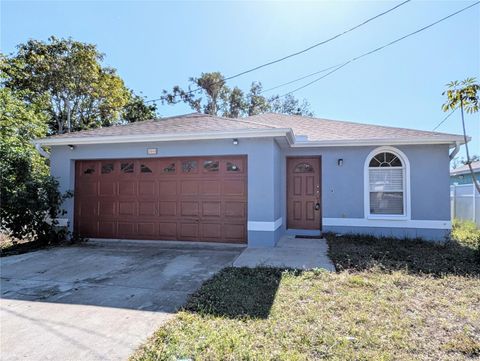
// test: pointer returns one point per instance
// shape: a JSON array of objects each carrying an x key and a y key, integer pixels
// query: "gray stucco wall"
[{"x": 342, "y": 186}]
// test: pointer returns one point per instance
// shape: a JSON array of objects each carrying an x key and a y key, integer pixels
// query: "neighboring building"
[
  {"x": 462, "y": 175},
  {"x": 204, "y": 178}
]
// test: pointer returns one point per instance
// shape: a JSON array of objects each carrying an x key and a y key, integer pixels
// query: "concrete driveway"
[{"x": 97, "y": 301}]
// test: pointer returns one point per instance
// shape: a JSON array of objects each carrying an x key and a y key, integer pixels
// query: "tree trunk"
[{"x": 474, "y": 179}]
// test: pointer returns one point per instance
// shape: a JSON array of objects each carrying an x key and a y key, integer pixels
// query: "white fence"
[{"x": 465, "y": 202}]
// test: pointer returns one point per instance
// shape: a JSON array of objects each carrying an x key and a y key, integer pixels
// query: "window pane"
[
  {"x": 89, "y": 171},
  {"x": 211, "y": 165},
  {"x": 126, "y": 167},
  {"x": 189, "y": 166},
  {"x": 385, "y": 159},
  {"x": 303, "y": 168},
  {"x": 386, "y": 179},
  {"x": 145, "y": 169},
  {"x": 107, "y": 168},
  {"x": 169, "y": 168},
  {"x": 386, "y": 203},
  {"x": 232, "y": 167}
]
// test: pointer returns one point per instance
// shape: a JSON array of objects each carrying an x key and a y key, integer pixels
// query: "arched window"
[{"x": 386, "y": 180}]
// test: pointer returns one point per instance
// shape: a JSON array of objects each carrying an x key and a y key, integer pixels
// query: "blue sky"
[{"x": 155, "y": 45}]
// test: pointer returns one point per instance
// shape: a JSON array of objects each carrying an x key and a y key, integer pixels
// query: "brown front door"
[
  {"x": 304, "y": 209},
  {"x": 194, "y": 198}
]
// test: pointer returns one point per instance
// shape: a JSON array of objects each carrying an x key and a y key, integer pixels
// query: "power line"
[
  {"x": 317, "y": 44},
  {"x": 301, "y": 51},
  {"x": 383, "y": 47},
  {"x": 444, "y": 119},
  {"x": 298, "y": 79}
]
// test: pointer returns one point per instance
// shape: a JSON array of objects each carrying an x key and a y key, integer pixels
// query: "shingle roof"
[
  {"x": 188, "y": 123},
  {"x": 315, "y": 129},
  {"x": 465, "y": 169},
  {"x": 327, "y": 130}
]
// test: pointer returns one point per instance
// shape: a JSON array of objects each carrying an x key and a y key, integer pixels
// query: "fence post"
[{"x": 474, "y": 211}]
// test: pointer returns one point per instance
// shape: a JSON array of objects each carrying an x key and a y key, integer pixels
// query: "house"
[
  {"x": 197, "y": 177},
  {"x": 462, "y": 175}
]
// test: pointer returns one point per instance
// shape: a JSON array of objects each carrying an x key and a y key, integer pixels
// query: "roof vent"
[{"x": 301, "y": 138}]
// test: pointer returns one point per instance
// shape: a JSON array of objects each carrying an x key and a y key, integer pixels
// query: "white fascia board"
[
  {"x": 376, "y": 142},
  {"x": 138, "y": 138}
]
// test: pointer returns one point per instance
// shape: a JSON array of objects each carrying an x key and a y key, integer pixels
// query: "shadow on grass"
[
  {"x": 362, "y": 252},
  {"x": 237, "y": 293}
]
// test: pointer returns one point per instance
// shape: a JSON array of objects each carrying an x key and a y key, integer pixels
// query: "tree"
[
  {"x": 457, "y": 161},
  {"x": 464, "y": 95},
  {"x": 290, "y": 105},
  {"x": 211, "y": 95},
  {"x": 137, "y": 110},
  {"x": 29, "y": 196},
  {"x": 257, "y": 103},
  {"x": 67, "y": 78}
]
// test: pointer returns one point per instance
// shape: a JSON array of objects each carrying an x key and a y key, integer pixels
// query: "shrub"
[
  {"x": 29, "y": 196},
  {"x": 466, "y": 233}
]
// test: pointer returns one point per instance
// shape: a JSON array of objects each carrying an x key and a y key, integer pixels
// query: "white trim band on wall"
[
  {"x": 264, "y": 226},
  {"x": 407, "y": 223}
]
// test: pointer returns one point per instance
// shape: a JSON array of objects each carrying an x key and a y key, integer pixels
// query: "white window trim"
[{"x": 406, "y": 186}]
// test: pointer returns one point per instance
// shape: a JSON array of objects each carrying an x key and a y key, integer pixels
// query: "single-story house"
[
  {"x": 198, "y": 177},
  {"x": 462, "y": 175}
]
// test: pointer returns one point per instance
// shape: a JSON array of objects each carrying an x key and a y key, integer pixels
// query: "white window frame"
[{"x": 406, "y": 185}]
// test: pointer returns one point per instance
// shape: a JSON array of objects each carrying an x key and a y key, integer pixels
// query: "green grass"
[
  {"x": 467, "y": 233},
  {"x": 389, "y": 300}
]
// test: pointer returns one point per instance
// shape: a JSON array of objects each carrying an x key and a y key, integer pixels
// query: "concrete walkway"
[
  {"x": 97, "y": 301},
  {"x": 290, "y": 252}
]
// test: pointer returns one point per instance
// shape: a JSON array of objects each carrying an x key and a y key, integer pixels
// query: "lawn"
[{"x": 388, "y": 300}]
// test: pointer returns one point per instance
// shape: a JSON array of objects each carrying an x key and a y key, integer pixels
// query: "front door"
[{"x": 304, "y": 209}]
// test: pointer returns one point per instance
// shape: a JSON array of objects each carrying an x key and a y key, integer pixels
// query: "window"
[
  {"x": 303, "y": 168},
  {"x": 189, "y": 166},
  {"x": 232, "y": 167},
  {"x": 145, "y": 169},
  {"x": 89, "y": 170},
  {"x": 211, "y": 165},
  {"x": 386, "y": 182},
  {"x": 169, "y": 168},
  {"x": 126, "y": 167},
  {"x": 107, "y": 168}
]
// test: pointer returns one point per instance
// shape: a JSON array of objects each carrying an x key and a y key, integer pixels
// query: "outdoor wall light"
[
  {"x": 340, "y": 162},
  {"x": 235, "y": 141},
  {"x": 72, "y": 147}
]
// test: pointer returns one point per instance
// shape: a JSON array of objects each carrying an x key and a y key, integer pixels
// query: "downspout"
[
  {"x": 40, "y": 150},
  {"x": 455, "y": 151}
]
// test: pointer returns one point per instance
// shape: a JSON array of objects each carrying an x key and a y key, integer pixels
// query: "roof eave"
[
  {"x": 452, "y": 141},
  {"x": 138, "y": 138}
]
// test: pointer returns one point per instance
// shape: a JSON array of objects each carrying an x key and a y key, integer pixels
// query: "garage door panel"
[
  {"x": 167, "y": 188},
  {"x": 147, "y": 209},
  {"x": 188, "y": 230},
  {"x": 187, "y": 198},
  {"x": 106, "y": 229},
  {"x": 235, "y": 209},
  {"x": 87, "y": 187},
  {"x": 127, "y": 188},
  {"x": 211, "y": 231},
  {"x": 126, "y": 229},
  {"x": 106, "y": 207},
  {"x": 127, "y": 208},
  {"x": 147, "y": 229},
  {"x": 167, "y": 230},
  {"x": 234, "y": 187},
  {"x": 211, "y": 209},
  {"x": 189, "y": 209},
  {"x": 146, "y": 188},
  {"x": 211, "y": 187},
  {"x": 189, "y": 187},
  {"x": 234, "y": 232},
  {"x": 168, "y": 208}
]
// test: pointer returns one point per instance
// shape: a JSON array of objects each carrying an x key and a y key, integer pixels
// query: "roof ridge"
[{"x": 351, "y": 122}]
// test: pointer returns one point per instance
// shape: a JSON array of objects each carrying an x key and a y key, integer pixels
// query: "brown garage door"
[{"x": 196, "y": 198}]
